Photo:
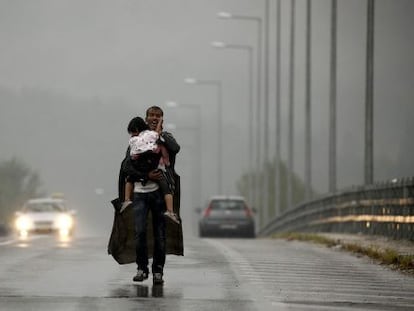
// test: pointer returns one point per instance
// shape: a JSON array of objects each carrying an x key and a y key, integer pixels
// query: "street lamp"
[
  {"x": 308, "y": 125},
  {"x": 171, "y": 104},
  {"x": 369, "y": 96},
  {"x": 291, "y": 105},
  {"x": 278, "y": 101},
  {"x": 173, "y": 126},
  {"x": 197, "y": 158},
  {"x": 190, "y": 80},
  {"x": 224, "y": 15},
  {"x": 170, "y": 126},
  {"x": 258, "y": 20},
  {"x": 333, "y": 97},
  {"x": 218, "y": 85},
  {"x": 249, "y": 49}
]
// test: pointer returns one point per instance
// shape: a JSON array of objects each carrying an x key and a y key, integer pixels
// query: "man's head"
[{"x": 153, "y": 116}]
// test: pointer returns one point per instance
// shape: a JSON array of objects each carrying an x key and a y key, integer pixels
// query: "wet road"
[{"x": 215, "y": 274}]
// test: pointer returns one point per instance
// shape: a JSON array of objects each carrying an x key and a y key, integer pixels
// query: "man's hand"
[
  {"x": 158, "y": 128},
  {"x": 155, "y": 175}
]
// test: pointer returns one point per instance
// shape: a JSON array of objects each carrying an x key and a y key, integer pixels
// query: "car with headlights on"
[
  {"x": 227, "y": 216},
  {"x": 45, "y": 215}
]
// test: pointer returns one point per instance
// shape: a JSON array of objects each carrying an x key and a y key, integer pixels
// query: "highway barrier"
[{"x": 385, "y": 209}]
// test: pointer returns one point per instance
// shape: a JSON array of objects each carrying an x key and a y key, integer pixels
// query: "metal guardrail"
[{"x": 385, "y": 208}]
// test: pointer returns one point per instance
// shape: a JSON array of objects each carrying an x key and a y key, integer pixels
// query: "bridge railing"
[{"x": 385, "y": 208}]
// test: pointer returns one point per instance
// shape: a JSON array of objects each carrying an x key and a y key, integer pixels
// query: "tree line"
[{"x": 18, "y": 183}]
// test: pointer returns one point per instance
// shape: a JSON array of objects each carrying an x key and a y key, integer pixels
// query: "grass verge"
[{"x": 386, "y": 256}]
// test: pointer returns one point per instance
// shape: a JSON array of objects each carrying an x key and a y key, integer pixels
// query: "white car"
[{"x": 45, "y": 215}]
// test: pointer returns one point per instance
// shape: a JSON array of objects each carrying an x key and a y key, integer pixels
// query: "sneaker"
[
  {"x": 124, "y": 205},
  {"x": 141, "y": 276},
  {"x": 157, "y": 278},
  {"x": 173, "y": 216}
]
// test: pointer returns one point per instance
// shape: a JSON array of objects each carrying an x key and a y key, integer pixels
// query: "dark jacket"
[{"x": 121, "y": 242}]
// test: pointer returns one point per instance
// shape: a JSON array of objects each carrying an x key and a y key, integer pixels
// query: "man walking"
[{"x": 154, "y": 235}]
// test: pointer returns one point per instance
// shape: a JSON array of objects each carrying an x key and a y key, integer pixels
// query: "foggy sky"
[{"x": 132, "y": 54}]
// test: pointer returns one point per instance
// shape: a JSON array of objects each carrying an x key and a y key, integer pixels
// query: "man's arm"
[{"x": 170, "y": 143}]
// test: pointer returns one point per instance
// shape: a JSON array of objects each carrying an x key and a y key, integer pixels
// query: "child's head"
[{"x": 137, "y": 125}]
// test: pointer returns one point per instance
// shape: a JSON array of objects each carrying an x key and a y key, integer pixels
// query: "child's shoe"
[
  {"x": 124, "y": 205},
  {"x": 173, "y": 216}
]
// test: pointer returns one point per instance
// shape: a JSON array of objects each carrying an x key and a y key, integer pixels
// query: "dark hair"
[
  {"x": 155, "y": 108},
  {"x": 137, "y": 125}
]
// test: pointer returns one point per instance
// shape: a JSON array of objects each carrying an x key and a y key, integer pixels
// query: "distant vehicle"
[
  {"x": 45, "y": 215},
  {"x": 227, "y": 216},
  {"x": 4, "y": 229}
]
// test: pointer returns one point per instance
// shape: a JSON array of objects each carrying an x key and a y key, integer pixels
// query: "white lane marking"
[
  {"x": 260, "y": 295},
  {"x": 7, "y": 242}
]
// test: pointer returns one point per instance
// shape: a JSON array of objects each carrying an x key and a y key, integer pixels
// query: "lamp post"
[
  {"x": 258, "y": 20},
  {"x": 278, "y": 101},
  {"x": 218, "y": 85},
  {"x": 249, "y": 49},
  {"x": 196, "y": 172},
  {"x": 291, "y": 106},
  {"x": 175, "y": 105},
  {"x": 308, "y": 126},
  {"x": 332, "y": 99},
  {"x": 369, "y": 96}
]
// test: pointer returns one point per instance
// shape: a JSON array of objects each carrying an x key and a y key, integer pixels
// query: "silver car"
[{"x": 227, "y": 216}]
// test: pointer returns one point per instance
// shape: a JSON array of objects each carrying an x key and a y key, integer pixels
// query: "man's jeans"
[{"x": 143, "y": 203}]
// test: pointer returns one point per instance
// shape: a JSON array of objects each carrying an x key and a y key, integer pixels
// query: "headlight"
[
  {"x": 65, "y": 222},
  {"x": 23, "y": 223}
]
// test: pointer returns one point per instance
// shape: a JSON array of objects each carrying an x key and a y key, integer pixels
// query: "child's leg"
[
  {"x": 168, "y": 197},
  {"x": 169, "y": 202},
  {"x": 165, "y": 190},
  {"x": 129, "y": 188}
]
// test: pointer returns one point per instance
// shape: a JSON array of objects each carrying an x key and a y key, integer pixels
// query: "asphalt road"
[{"x": 215, "y": 274}]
